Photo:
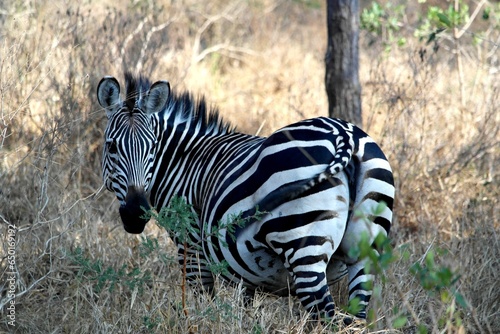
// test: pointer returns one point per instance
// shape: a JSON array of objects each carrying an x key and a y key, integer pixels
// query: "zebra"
[{"x": 307, "y": 181}]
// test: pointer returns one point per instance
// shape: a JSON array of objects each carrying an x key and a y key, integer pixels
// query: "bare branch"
[
  {"x": 127, "y": 40},
  {"x": 150, "y": 33}
]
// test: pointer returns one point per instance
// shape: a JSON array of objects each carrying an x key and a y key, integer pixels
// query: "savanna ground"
[{"x": 433, "y": 107}]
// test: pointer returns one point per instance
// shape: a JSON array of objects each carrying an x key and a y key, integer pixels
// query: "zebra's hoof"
[{"x": 354, "y": 322}]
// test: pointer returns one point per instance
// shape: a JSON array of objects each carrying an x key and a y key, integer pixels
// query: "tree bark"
[{"x": 342, "y": 61}]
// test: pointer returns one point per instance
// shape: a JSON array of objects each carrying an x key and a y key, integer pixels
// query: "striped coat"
[{"x": 304, "y": 196}]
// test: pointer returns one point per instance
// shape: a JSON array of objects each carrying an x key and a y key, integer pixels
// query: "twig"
[
  {"x": 471, "y": 19},
  {"x": 458, "y": 57},
  {"x": 198, "y": 56},
  {"x": 183, "y": 286},
  {"x": 150, "y": 33},
  {"x": 457, "y": 33},
  {"x": 129, "y": 38},
  {"x": 203, "y": 28},
  {"x": 219, "y": 47},
  {"x": 404, "y": 300},
  {"x": 7, "y": 300}
]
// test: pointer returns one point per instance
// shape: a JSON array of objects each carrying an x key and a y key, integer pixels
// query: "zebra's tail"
[{"x": 344, "y": 150}]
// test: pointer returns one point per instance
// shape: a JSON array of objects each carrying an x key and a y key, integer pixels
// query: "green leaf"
[
  {"x": 422, "y": 329},
  {"x": 432, "y": 36},
  {"x": 354, "y": 252},
  {"x": 445, "y": 296},
  {"x": 379, "y": 209},
  {"x": 460, "y": 300},
  {"x": 444, "y": 19},
  {"x": 405, "y": 254},
  {"x": 486, "y": 13},
  {"x": 429, "y": 259},
  {"x": 354, "y": 306},
  {"x": 399, "y": 322}
]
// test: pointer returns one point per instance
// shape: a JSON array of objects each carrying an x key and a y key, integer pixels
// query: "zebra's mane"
[
  {"x": 136, "y": 86},
  {"x": 183, "y": 107}
]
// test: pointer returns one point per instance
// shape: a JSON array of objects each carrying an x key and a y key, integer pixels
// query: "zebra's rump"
[{"x": 264, "y": 251}]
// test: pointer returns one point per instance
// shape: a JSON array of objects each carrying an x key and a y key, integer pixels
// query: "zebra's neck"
[{"x": 193, "y": 161}]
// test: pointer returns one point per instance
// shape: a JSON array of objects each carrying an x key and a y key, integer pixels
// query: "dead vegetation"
[{"x": 261, "y": 63}]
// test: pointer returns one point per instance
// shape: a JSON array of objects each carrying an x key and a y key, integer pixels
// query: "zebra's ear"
[
  {"x": 154, "y": 101},
  {"x": 108, "y": 93}
]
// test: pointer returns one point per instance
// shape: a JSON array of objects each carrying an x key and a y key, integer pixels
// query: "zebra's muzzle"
[{"x": 133, "y": 211}]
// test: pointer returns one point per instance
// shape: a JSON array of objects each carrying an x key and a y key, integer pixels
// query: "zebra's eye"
[{"x": 112, "y": 149}]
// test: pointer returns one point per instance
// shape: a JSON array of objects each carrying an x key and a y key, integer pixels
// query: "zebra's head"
[{"x": 130, "y": 145}]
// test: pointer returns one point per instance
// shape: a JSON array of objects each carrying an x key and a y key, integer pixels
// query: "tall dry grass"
[{"x": 261, "y": 63}]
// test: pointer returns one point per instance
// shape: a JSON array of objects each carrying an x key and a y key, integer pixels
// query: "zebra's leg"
[
  {"x": 248, "y": 297},
  {"x": 360, "y": 281},
  {"x": 195, "y": 268},
  {"x": 360, "y": 286},
  {"x": 336, "y": 270},
  {"x": 361, "y": 230},
  {"x": 307, "y": 266},
  {"x": 311, "y": 288}
]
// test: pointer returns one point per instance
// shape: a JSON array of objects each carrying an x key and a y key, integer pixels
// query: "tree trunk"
[{"x": 342, "y": 61}]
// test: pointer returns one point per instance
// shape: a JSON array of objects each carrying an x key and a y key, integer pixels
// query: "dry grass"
[{"x": 261, "y": 63}]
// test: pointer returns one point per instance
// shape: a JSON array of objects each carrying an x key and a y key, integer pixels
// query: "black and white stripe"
[{"x": 299, "y": 191}]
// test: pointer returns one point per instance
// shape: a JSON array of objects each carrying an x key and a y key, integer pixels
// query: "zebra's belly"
[
  {"x": 275, "y": 278},
  {"x": 272, "y": 276}
]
